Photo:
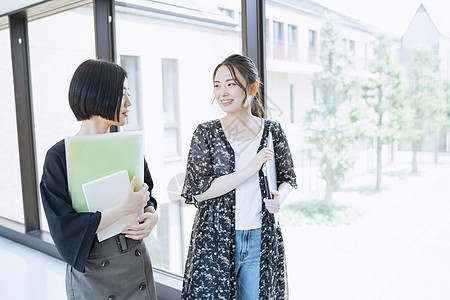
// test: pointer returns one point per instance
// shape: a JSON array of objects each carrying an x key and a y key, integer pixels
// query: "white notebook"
[
  {"x": 271, "y": 167},
  {"x": 105, "y": 192},
  {"x": 271, "y": 170}
]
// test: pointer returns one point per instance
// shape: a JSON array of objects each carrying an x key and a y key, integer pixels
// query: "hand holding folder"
[
  {"x": 93, "y": 158},
  {"x": 270, "y": 175},
  {"x": 106, "y": 192}
]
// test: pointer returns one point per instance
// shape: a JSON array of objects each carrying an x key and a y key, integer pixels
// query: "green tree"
[
  {"x": 442, "y": 119},
  {"x": 329, "y": 122},
  {"x": 425, "y": 105},
  {"x": 383, "y": 99}
]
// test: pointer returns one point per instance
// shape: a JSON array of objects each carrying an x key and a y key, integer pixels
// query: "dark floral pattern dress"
[{"x": 210, "y": 268}]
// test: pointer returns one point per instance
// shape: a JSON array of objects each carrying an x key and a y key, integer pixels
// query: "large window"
[
  {"x": 370, "y": 217},
  {"x": 178, "y": 48},
  {"x": 11, "y": 205},
  {"x": 377, "y": 231},
  {"x": 53, "y": 62}
]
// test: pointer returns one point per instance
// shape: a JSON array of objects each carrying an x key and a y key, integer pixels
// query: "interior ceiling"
[
  {"x": 36, "y": 9},
  {"x": 9, "y": 6}
]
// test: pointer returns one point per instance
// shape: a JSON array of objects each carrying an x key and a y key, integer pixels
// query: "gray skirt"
[{"x": 113, "y": 273}]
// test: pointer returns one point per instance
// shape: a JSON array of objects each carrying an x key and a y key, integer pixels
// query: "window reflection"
[
  {"x": 11, "y": 204},
  {"x": 178, "y": 43},
  {"x": 351, "y": 102},
  {"x": 53, "y": 61}
]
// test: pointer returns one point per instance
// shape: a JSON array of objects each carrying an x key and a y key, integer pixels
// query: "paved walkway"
[{"x": 399, "y": 248}]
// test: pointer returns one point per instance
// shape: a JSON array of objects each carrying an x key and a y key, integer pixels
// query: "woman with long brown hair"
[{"x": 236, "y": 249}]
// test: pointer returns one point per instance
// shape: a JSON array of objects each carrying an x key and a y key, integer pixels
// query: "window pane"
[
  {"x": 178, "y": 47},
  {"x": 58, "y": 44},
  {"x": 11, "y": 205},
  {"x": 131, "y": 65},
  {"x": 367, "y": 119}
]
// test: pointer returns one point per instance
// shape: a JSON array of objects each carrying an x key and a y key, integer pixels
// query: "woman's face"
[
  {"x": 126, "y": 102},
  {"x": 226, "y": 91}
]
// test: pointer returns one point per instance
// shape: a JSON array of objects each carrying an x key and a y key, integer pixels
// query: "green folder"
[{"x": 90, "y": 157}]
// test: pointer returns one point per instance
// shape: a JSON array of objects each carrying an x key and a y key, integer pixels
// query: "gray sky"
[{"x": 392, "y": 16}]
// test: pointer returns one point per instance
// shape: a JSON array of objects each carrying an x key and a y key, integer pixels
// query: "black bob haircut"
[{"x": 96, "y": 89}]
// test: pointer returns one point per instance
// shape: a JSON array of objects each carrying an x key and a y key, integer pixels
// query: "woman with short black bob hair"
[
  {"x": 96, "y": 89},
  {"x": 118, "y": 267}
]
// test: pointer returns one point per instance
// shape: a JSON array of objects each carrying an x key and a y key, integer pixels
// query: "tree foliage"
[
  {"x": 425, "y": 112},
  {"x": 329, "y": 123},
  {"x": 383, "y": 94}
]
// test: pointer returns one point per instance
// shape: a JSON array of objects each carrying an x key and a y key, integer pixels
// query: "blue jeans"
[{"x": 248, "y": 249}]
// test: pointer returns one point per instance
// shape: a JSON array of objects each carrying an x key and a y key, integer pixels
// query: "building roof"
[
  {"x": 312, "y": 8},
  {"x": 442, "y": 24}
]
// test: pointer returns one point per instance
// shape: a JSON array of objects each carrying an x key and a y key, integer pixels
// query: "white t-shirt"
[{"x": 248, "y": 195}]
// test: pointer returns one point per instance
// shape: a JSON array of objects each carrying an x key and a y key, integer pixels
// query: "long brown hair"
[{"x": 247, "y": 68}]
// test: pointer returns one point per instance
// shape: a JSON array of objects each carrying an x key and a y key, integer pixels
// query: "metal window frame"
[
  {"x": 105, "y": 32},
  {"x": 253, "y": 42},
  {"x": 24, "y": 118},
  {"x": 105, "y": 44}
]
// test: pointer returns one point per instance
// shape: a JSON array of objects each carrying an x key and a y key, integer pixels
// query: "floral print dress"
[{"x": 210, "y": 267}]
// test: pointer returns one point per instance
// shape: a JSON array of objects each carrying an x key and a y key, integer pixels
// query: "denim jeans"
[{"x": 248, "y": 249}]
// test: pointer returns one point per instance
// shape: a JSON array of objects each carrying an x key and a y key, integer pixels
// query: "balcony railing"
[
  {"x": 312, "y": 55},
  {"x": 292, "y": 53},
  {"x": 278, "y": 50}
]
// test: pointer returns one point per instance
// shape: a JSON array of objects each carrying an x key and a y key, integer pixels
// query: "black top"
[{"x": 72, "y": 232}]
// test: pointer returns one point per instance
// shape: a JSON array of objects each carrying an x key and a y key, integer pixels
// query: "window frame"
[{"x": 30, "y": 233}]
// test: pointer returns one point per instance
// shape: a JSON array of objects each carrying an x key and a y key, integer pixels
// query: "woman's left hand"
[
  {"x": 274, "y": 205},
  {"x": 143, "y": 230}
]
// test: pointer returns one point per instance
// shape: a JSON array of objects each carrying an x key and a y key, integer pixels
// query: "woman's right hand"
[
  {"x": 264, "y": 155},
  {"x": 135, "y": 201}
]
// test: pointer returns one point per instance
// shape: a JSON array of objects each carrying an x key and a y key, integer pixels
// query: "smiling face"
[
  {"x": 227, "y": 92},
  {"x": 126, "y": 102}
]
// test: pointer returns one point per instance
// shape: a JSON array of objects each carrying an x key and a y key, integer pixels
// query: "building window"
[
  {"x": 351, "y": 48},
  {"x": 291, "y": 102},
  {"x": 227, "y": 11},
  {"x": 170, "y": 107},
  {"x": 278, "y": 40},
  {"x": 292, "y": 35},
  {"x": 278, "y": 32},
  {"x": 365, "y": 57},
  {"x": 312, "y": 38},
  {"x": 131, "y": 65},
  {"x": 312, "y": 49},
  {"x": 292, "y": 43}
]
